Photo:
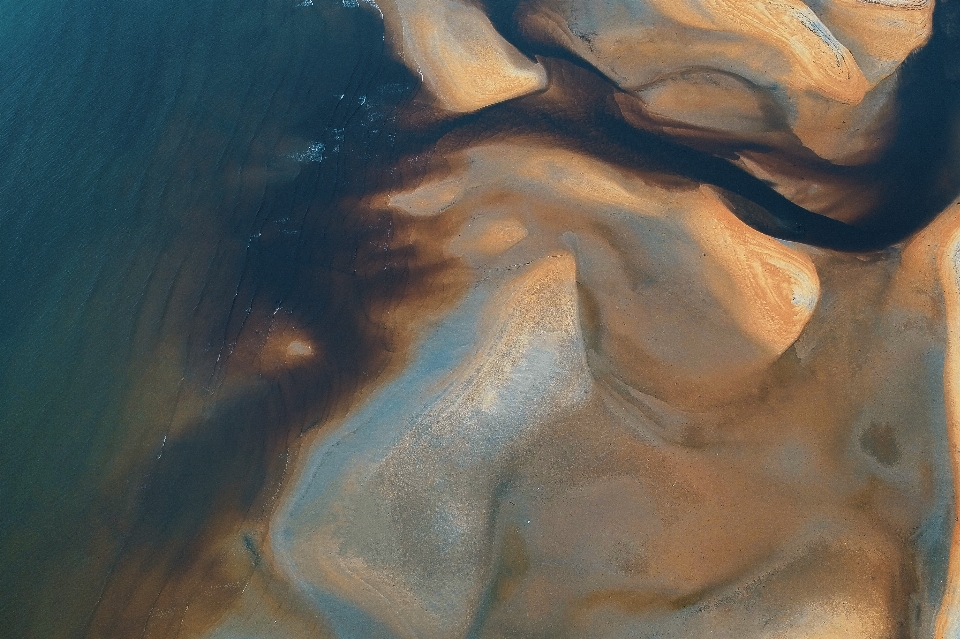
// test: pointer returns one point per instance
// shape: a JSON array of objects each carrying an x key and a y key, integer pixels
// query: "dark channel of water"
[{"x": 170, "y": 179}]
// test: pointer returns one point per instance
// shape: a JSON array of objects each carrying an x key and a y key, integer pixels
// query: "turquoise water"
[{"x": 144, "y": 148}]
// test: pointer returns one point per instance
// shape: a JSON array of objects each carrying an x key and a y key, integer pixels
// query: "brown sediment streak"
[
  {"x": 823, "y": 79},
  {"x": 801, "y": 52},
  {"x": 498, "y": 236},
  {"x": 760, "y": 291},
  {"x": 879, "y": 34},
  {"x": 197, "y": 535},
  {"x": 463, "y": 61},
  {"x": 820, "y": 61},
  {"x": 781, "y": 283}
]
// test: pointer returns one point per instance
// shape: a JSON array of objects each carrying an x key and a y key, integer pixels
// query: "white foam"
[{"x": 314, "y": 153}]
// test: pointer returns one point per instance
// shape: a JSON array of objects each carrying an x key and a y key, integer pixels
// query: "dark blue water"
[
  {"x": 169, "y": 179},
  {"x": 146, "y": 149}
]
